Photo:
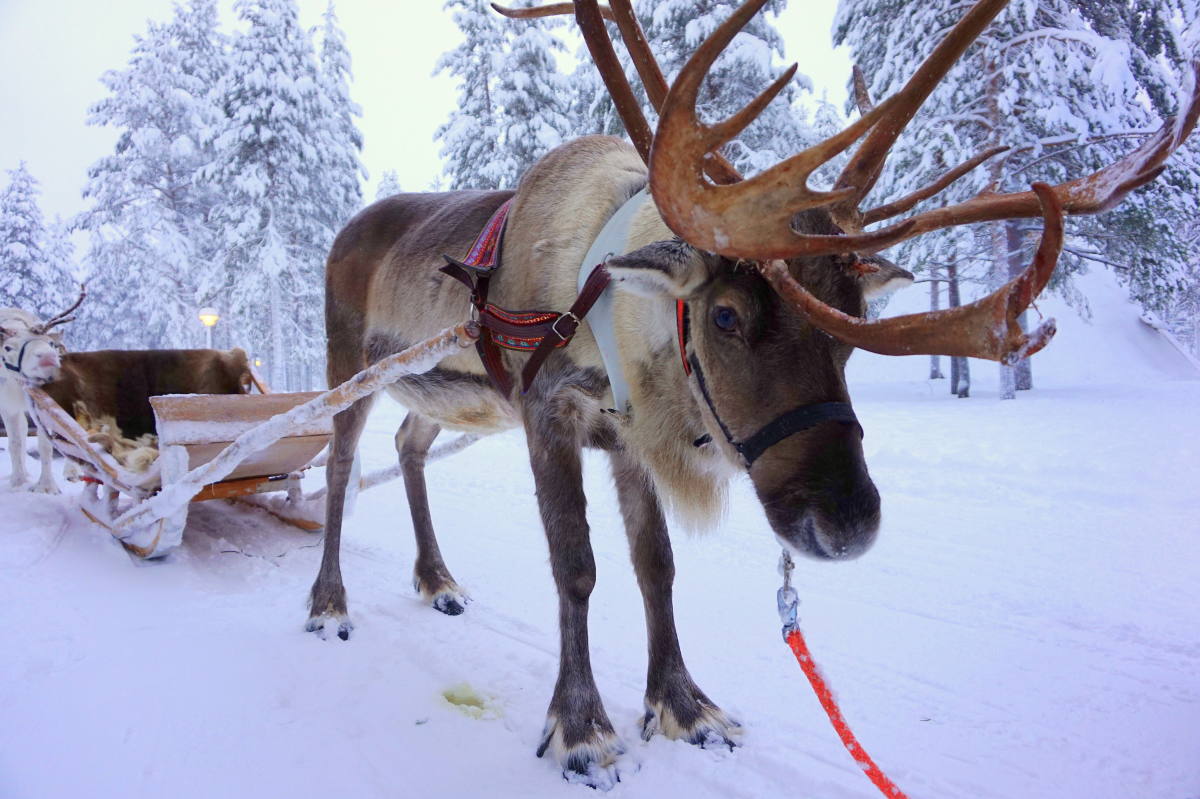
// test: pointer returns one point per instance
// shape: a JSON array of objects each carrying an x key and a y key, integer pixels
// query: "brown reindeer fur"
[
  {"x": 384, "y": 292},
  {"x": 118, "y": 384}
]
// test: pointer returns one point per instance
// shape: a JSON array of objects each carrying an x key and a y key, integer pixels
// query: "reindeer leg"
[
  {"x": 45, "y": 483},
  {"x": 17, "y": 427},
  {"x": 327, "y": 602},
  {"x": 675, "y": 706},
  {"x": 430, "y": 575},
  {"x": 577, "y": 728}
]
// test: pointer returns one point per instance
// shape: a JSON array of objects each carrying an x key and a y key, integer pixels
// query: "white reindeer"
[{"x": 31, "y": 353}]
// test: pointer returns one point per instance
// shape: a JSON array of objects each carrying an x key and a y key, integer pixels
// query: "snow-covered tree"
[
  {"x": 389, "y": 184},
  {"x": 342, "y": 141},
  {"x": 472, "y": 138},
  {"x": 674, "y": 29},
  {"x": 151, "y": 244},
  {"x": 34, "y": 268},
  {"x": 1040, "y": 80},
  {"x": 532, "y": 100},
  {"x": 284, "y": 169},
  {"x": 514, "y": 103}
]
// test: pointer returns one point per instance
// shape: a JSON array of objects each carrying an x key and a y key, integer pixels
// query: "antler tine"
[
  {"x": 621, "y": 12},
  {"x": 716, "y": 167},
  {"x": 591, "y": 25},
  {"x": 987, "y": 328},
  {"x": 907, "y": 202},
  {"x": 552, "y": 10},
  {"x": 750, "y": 219},
  {"x": 865, "y": 165},
  {"x": 65, "y": 316},
  {"x": 1090, "y": 194}
]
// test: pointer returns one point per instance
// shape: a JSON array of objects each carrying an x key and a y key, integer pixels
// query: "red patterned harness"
[{"x": 536, "y": 332}]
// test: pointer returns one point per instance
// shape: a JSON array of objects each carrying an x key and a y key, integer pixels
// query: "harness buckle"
[{"x": 554, "y": 327}]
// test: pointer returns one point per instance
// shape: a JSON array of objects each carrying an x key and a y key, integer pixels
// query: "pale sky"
[{"x": 52, "y": 53}]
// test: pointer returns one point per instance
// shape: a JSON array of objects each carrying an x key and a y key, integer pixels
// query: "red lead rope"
[
  {"x": 789, "y": 602},
  {"x": 796, "y": 641}
]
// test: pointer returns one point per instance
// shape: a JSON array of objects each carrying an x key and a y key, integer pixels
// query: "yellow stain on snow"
[{"x": 466, "y": 700}]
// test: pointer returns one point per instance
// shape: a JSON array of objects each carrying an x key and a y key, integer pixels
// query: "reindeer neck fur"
[{"x": 559, "y": 209}]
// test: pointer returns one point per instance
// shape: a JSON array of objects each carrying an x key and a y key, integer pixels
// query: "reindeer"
[
  {"x": 30, "y": 353},
  {"x": 735, "y": 305}
]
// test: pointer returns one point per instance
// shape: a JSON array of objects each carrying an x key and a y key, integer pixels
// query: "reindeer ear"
[
  {"x": 879, "y": 276},
  {"x": 664, "y": 268}
]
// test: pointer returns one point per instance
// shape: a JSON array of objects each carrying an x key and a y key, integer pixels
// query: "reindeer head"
[
  {"x": 774, "y": 274},
  {"x": 754, "y": 360},
  {"x": 31, "y": 351}
]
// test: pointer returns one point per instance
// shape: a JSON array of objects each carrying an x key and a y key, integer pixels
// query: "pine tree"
[
  {"x": 35, "y": 276},
  {"x": 472, "y": 137},
  {"x": 150, "y": 242},
  {"x": 343, "y": 140},
  {"x": 284, "y": 167},
  {"x": 389, "y": 184},
  {"x": 674, "y": 29},
  {"x": 532, "y": 101}
]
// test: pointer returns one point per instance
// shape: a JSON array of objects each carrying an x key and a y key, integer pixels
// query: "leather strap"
[
  {"x": 20, "y": 357},
  {"x": 563, "y": 328},
  {"x": 779, "y": 428},
  {"x": 475, "y": 272},
  {"x": 539, "y": 332}
]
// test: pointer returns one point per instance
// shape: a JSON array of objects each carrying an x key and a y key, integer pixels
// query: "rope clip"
[{"x": 787, "y": 600}]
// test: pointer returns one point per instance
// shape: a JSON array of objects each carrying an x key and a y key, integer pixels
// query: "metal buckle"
[
  {"x": 786, "y": 598},
  {"x": 554, "y": 327}
]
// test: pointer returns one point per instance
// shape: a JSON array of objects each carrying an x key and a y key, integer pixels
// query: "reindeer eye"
[{"x": 725, "y": 318}]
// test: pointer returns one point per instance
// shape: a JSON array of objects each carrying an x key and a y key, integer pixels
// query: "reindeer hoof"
[
  {"x": 592, "y": 762},
  {"x": 707, "y": 726},
  {"x": 442, "y": 593},
  {"x": 450, "y": 604},
  {"x": 41, "y": 488},
  {"x": 321, "y": 625}
]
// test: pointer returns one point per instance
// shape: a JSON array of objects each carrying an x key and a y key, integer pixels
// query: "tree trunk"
[
  {"x": 276, "y": 366},
  {"x": 935, "y": 291},
  {"x": 1023, "y": 371},
  {"x": 960, "y": 370},
  {"x": 999, "y": 236}
]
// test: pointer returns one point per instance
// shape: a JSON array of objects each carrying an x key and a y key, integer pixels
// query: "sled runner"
[{"x": 222, "y": 446}]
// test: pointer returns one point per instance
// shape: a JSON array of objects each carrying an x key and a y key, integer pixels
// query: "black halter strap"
[
  {"x": 781, "y": 427},
  {"x": 20, "y": 358}
]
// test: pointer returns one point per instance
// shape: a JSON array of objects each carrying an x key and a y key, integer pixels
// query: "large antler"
[
  {"x": 64, "y": 317},
  {"x": 588, "y": 14},
  {"x": 752, "y": 219},
  {"x": 986, "y": 328},
  {"x": 703, "y": 199}
]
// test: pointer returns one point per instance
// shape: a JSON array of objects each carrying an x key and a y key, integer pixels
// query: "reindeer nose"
[{"x": 48, "y": 361}]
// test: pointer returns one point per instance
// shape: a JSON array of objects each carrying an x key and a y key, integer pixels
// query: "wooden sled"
[{"x": 221, "y": 446}]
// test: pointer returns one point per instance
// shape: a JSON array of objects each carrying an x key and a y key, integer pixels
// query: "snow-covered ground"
[{"x": 1027, "y": 626}]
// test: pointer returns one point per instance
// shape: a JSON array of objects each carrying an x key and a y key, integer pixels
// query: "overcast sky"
[{"x": 52, "y": 53}]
